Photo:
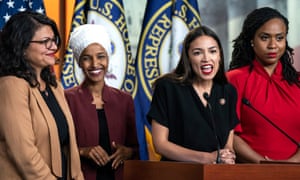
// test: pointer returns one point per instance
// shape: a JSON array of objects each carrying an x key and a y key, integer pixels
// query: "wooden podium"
[{"x": 154, "y": 170}]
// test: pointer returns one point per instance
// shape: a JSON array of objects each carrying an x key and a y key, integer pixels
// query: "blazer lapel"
[
  {"x": 54, "y": 141},
  {"x": 74, "y": 155}
]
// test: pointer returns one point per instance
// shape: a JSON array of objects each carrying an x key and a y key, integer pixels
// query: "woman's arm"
[
  {"x": 244, "y": 152},
  {"x": 131, "y": 135},
  {"x": 227, "y": 154},
  {"x": 296, "y": 157},
  {"x": 175, "y": 152},
  {"x": 17, "y": 130},
  {"x": 229, "y": 144},
  {"x": 130, "y": 149}
]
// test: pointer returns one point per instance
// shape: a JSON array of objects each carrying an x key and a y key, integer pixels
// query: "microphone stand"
[
  {"x": 247, "y": 103},
  {"x": 206, "y": 97}
]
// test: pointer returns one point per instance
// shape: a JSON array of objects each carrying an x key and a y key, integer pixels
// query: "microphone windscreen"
[{"x": 246, "y": 101}]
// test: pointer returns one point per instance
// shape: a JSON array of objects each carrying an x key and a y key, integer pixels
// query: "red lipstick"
[{"x": 272, "y": 55}]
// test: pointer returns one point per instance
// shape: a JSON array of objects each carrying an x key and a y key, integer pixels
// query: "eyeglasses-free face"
[{"x": 48, "y": 42}]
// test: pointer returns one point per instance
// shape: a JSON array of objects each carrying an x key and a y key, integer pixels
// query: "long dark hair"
[
  {"x": 243, "y": 54},
  {"x": 14, "y": 40},
  {"x": 183, "y": 72}
]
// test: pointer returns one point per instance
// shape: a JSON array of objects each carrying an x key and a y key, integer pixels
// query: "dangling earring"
[{"x": 251, "y": 42}]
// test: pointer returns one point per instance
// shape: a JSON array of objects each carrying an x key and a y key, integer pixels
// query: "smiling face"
[
  {"x": 204, "y": 55},
  {"x": 269, "y": 42},
  {"x": 37, "y": 54},
  {"x": 94, "y": 63}
]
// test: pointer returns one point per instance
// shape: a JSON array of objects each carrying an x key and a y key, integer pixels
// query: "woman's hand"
[
  {"x": 227, "y": 156},
  {"x": 121, "y": 153},
  {"x": 96, "y": 153}
]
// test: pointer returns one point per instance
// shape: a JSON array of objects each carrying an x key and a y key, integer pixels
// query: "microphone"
[
  {"x": 206, "y": 97},
  {"x": 247, "y": 103}
]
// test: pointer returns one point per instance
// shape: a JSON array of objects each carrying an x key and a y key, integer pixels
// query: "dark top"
[
  {"x": 61, "y": 124},
  {"x": 105, "y": 172},
  {"x": 179, "y": 108}
]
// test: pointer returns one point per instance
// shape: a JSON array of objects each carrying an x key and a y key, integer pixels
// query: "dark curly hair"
[
  {"x": 183, "y": 72},
  {"x": 14, "y": 40},
  {"x": 243, "y": 54}
]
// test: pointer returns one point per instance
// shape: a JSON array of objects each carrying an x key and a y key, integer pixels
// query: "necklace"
[
  {"x": 97, "y": 95},
  {"x": 44, "y": 92}
]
